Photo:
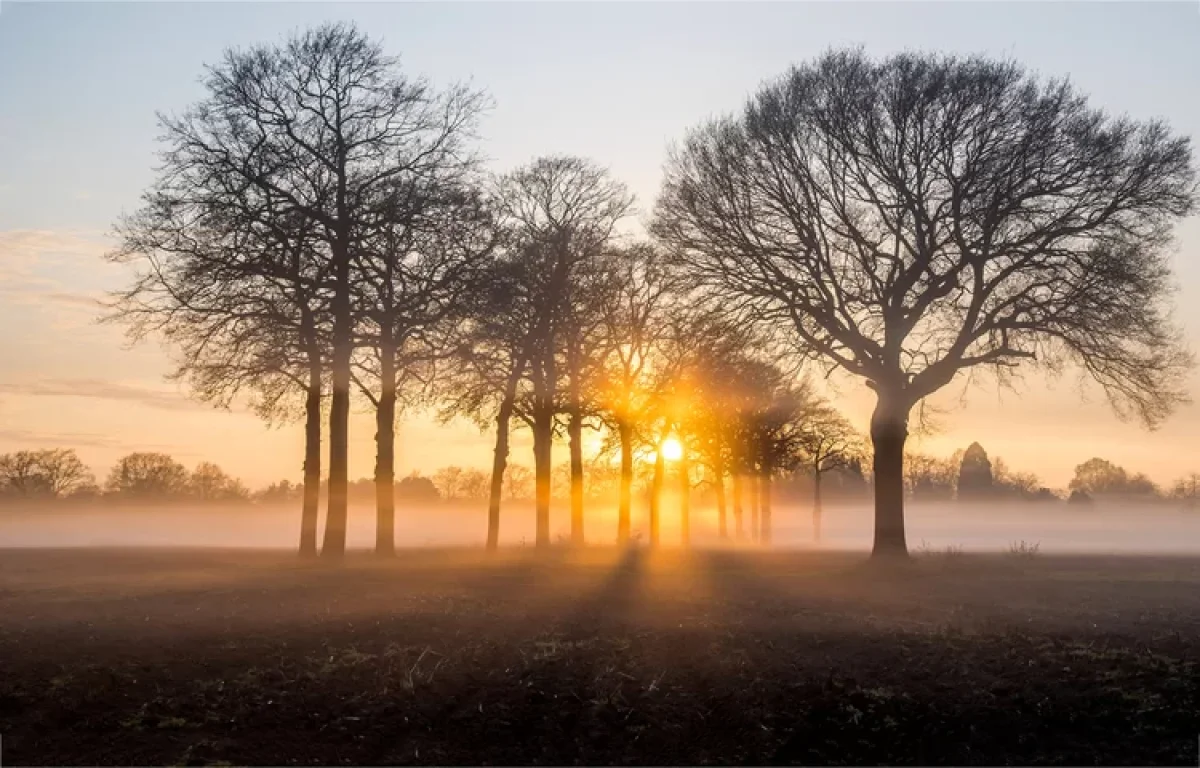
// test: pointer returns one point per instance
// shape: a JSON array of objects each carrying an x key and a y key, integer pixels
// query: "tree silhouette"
[
  {"x": 931, "y": 478},
  {"x": 920, "y": 216},
  {"x": 321, "y": 150},
  {"x": 1100, "y": 477},
  {"x": 147, "y": 475},
  {"x": 775, "y": 429},
  {"x": 208, "y": 482},
  {"x": 975, "y": 480},
  {"x": 284, "y": 490},
  {"x": 1187, "y": 490},
  {"x": 416, "y": 488},
  {"x": 473, "y": 484},
  {"x": 827, "y": 442},
  {"x": 560, "y": 213},
  {"x": 520, "y": 481},
  {"x": 632, "y": 322},
  {"x": 448, "y": 481},
  {"x": 233, "y": 282},
  {"x": 492, "y": 349},
  {"x": 48, "y": 473},
  {"x": 1025, "y": 484},
  {"x": 433, "y": 232}
]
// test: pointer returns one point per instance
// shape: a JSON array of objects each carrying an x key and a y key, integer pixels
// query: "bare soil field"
[{"x": 156, "y": 656}]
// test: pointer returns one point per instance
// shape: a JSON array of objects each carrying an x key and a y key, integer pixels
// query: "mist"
[{"x": 932, "y": 527}]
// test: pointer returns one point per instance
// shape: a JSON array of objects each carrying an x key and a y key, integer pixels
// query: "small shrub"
[
  {"x": 1024, "y": 549},
  {"x": 951, "y": 551}
]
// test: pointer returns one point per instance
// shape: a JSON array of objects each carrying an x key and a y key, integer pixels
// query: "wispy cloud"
[
  {"x": 35, "y": 263},
  {"x": 25, "y": 246},
  {"x": 104, "y": 390},
  {"x": 71, "y": 440},
  {"x": 59, "y": 439},
  {"x": 66, "y": 297}
]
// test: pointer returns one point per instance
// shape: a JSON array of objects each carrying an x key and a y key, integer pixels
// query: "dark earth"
[{"x": 596, "y": 656}]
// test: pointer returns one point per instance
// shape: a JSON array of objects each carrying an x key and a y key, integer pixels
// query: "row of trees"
[
  {"x": 59, "y": 473},
  {"x": 323, "y": 229},
  {"x": 971, "y": 475},
  {"x": 966, "y": 476}
]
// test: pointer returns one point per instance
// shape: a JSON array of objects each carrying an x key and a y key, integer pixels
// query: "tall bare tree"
[
  {"x": 632, "y": 323},
  {"x": 233, "y": 283},
  {"x": 431, "y": 234},
  {"x": 328, "y": 125},
  {"x": 920, "y": 216},
  {"x": 492, "y": 352},
  {"x": 561, "y": 213}
]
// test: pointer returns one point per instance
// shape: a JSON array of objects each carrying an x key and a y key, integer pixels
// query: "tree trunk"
[
  {"x": 889, "y": 430},
  {"x": 543, "y": 435},
  {"x": 764, "y": 503},
  {"x": 753, "y": 483},
  {"x": 312, "y": 462},
  {"x": 739, "y": 529},
  {"x": 500, "y": 463},
  {"x": 656, "y": 495},
  {"x": 816, "y": 511},
  {"x": 625, "y": 431},
  {"x": 685, "y": 500},
  {"x": 385, "y": 456},
  {"x": 575, "y": 438},
  {"x": 719, "y": 484},
  {"x": 334, "y": 545}
]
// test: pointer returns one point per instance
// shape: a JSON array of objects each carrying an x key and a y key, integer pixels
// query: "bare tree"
[
  {"x": 147, "y": 475},
  {"x": 431, "y": 233},
  {"x": 448, "y": 481},
  {"x": 632, "y": 322},
  {"x": 561, "y": 213},
  {"x": 1187, "y": 490},
  {"x": 930, "y": 478},
  {"x": 48, "y": 473},
  {"x": 913, "y": 218},
  {"x": 520, "y": 481},
  {"x": 208, "y": 482},
  {"x": 492, "y": 351},
  {"x": 327, "y": 125},
  {"x": 826, "y": 441},
  {"x": 233, "y": 284},
  {"x": 773, "y": 427}
]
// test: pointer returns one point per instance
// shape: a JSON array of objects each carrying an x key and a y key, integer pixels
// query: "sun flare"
[{"x": 672, "y": 449}]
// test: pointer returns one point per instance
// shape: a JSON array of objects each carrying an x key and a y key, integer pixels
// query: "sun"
[{"x": 672, "y": 449}]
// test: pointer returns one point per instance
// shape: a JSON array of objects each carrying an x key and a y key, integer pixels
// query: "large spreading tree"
[
  {"x": 921, "y": 216},
  {"x": 315, "y": 201}
]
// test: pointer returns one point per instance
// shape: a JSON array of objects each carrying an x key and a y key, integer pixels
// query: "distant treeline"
[
  {"x": 966, "y": 476},
  {"x": 971, "y": 476}
]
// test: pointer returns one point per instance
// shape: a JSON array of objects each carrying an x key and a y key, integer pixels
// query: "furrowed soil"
[{"x": 596, "y": 656}]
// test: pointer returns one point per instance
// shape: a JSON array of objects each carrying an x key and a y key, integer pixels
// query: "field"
[{"x": 158, "y": 656}]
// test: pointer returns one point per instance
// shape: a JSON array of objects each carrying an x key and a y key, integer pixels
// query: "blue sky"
[{"x": 80, "y": 84}]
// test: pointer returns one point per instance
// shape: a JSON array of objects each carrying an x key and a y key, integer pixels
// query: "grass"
[{"x": 595, "y": 657}]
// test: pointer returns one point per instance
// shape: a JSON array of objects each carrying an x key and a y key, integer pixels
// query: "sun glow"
[{"x": 672, "y": 449}]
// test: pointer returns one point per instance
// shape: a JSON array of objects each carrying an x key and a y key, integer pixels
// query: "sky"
[{"x": 81, "y": 83}]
